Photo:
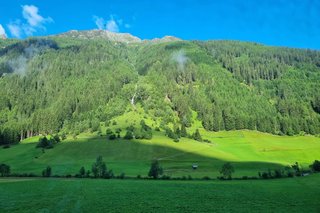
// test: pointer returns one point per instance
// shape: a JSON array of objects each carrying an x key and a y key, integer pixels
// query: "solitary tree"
[
  {"x": 155, "y": 169},
  {"x": 82, "y": 172},
  {"x": 226, "y": 171},
  {"x": 315, "y": 166},
  {"x": 197, "y": 135},
  {"x": 99, "y": 168},
  {"x": 4, "y": 170},
  {"x": 47, "y": 172},
  {"x": 129, "y": 135}
]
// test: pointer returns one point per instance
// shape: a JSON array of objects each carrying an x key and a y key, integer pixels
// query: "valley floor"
[
  {"x": 249, "y": 152},
  {"x": 90, "y": 195}
]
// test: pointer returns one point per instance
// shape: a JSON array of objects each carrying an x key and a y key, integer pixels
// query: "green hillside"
[
  {"x": 70, "y": 83},
  {"x": 248, "y": 151}
]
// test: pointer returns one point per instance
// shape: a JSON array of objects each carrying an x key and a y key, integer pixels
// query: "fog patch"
[{"x": 181, "y": 59}]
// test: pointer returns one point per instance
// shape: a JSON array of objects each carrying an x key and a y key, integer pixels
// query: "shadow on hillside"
[{"x": 131, "y": 157}]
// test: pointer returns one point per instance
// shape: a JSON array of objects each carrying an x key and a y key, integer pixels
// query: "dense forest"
[{"x": 62, "y": 84}]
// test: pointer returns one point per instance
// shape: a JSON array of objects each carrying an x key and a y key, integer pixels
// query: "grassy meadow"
[
  {"x": 89, "y": 195},
  {"x": 249, "y": 152}
]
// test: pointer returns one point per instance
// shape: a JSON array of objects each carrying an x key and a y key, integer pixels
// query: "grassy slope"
[
  {"x": 249, "y": 151},
  {"x": 51, "y": 195}
]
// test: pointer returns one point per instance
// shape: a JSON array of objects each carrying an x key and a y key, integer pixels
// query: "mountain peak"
[
  {"x": 112, "y": 36},
  {"x": 102, "y": 34},
  {"x": 3, "y": 36}
]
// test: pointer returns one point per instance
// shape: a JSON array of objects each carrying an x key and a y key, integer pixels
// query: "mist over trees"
[{"x": 70, "y": 85}]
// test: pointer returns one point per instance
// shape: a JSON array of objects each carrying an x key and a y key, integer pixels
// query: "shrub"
[
  {"x": 196, "y": 136},
  {"x": 165, "y": 177},
  {"x": 112, "y": 136},
  {"x": 128, "y": 135},
  {"x": 4, "y": 170},
  {"x": 155, "y": 169},
  {"x": 7, "y": 146},
  {"x": 227, "y": 170},
  {"x": 109, "y": 131},
  {"x": 56, "y": 138},
  {"x": 82, "y": 172},
  {"x": 122, "y": 176},
  {"x": 47, "y": 172},
  {"x": 315, "y": 166}
]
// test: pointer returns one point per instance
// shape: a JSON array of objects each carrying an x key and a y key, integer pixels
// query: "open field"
[
  {"x": 249, "y": 152},
  {"x": 89, "y": 195}
]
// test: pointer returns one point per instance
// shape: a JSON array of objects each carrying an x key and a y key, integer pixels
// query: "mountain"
[
  {"x": 102, "y": 34},
  {"x": 112, "y": 36},
  {"x": 73, "y": 82}
]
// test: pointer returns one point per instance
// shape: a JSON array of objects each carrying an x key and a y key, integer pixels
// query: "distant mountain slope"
[
  {"x": 73, "y": 81},
  {"x": 111, "y": 36}
]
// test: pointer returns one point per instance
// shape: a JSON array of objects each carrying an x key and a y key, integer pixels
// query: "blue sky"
[{"x": 293, "y": 23}]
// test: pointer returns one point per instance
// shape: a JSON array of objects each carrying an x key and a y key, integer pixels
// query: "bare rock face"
[
  {"x": 165, "y": 39},
  {"x": 102, "y": 34},
  {"x": 3, "y": 36},
  {"x": 115, "y": 37}
]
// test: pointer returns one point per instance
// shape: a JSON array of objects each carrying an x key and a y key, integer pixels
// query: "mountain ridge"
[{"x": 113, "y": 36}]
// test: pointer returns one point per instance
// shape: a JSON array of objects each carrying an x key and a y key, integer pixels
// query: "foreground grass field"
[
  {"x": 89, "y": 195},
  {"x": 248, "y": 151}
]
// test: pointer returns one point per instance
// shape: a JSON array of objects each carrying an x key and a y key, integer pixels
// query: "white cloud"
[
  {"x": 100, "y": 22},
  {"x": 34, "y": 19},
  {"x": 2, "y": 31},
  {"x": 112, "y": 25},
  {"x": 15, "y": 29},
  {"x": 33, "y": 22}
]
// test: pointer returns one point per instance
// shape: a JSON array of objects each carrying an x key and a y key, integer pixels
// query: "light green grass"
[
  {"x": 249, "y": 152},
  {"x": 89, "y": 195}
]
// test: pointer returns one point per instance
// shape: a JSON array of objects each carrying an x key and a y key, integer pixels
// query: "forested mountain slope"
[{"x": 70, "y": 84}]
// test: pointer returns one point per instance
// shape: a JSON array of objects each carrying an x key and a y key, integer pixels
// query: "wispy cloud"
[
  {"x": 33, "y": 22},
  {"x": 181, "y": 59},
  {"x": 112, "y": 24},
  {"x": 2, "y": 31},
  {"x": 99, "y": 22},
  {"x": 15, "y": 29}
]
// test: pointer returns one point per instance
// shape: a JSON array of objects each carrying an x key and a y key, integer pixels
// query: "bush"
[
  {"x": 176, "y": 140},
  {"x": 47, "y": 172},
  {"x": 63, "y": 136},
  {"x": 155, "y": 169},
  {"x": 227, "y": 170},
  {"x": 7, "y": 146},
  {"x": 82, "y": 172},
  {"x": 56, "y": 138},
  {"x": 121, "y": 176},
  {"x": 196, "y": 136},
  {"x": 45, "y": 143},
  {"x": 128, "y": 135},
  {"x": 165, "y": 177},
  {"x": 109, "y": 131},
  {"x": 112, "y": 136},
  {"x": 4, "y": 170},
  {"x": 315, "y": 166}
]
